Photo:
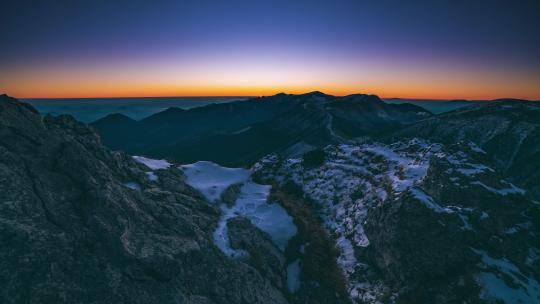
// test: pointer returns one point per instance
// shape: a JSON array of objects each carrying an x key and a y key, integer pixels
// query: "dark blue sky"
[{"x": 340, "y": 46}]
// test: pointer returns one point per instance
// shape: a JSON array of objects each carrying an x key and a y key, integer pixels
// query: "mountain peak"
[
  {"x": 316, "y": 94},
  {"x": 363, "y": 97},
  {"x": 115, "y": 117}
]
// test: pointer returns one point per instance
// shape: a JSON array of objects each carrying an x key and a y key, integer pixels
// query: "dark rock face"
[
  {"x": 239, "y": 133},
  {"x": 73, "y": 232},
  {"x": 438, "y": 256},
  {"x": 421, "y": 222},
  {"x": 230, "y": 195},
  {"x": 411, "y": 250},
  {"x": 263, "y": 254}
]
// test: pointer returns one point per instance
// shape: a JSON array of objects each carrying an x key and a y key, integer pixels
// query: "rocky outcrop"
[
  {"x": 421, "y": 222},
  {"x": 263, "y": 254},
  {"x": 231, "y": 194},
  {"x": 436, "y": 242},
  {"x": 507, "y": 130},
  {"x": 406, "y": 249},
  {"x": 82, "y": 224}
]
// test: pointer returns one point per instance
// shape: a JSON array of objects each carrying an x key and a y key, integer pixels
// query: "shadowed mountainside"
[
  {"x": 239, "y": 133},
  {"x": 508, "y": 130},
  {"x": 82, "y": 224}
]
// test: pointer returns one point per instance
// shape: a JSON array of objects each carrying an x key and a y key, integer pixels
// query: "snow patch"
[
  {"x": 151, "y": 176},
  {"x": 523, "y": 290},
  {"x": 428, "y": 201},
  {"x": 133, "y": 185},
  {"x": 211, "y": 179},
  {"x": 504, "y": 191},
  {"x": 252, "y": 203},
  {"x": 475, "y": 148},
  {"x": 153, "y": 164},
  {"x": 241, "y": 131},
  {"x": 293, "y": 276},
  {"x": 353, "y": 179},
  {"x": 346, "y": 259}
]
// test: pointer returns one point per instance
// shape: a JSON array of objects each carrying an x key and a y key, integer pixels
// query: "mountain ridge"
[
  {"x": 274, "y": 123},
  {"x": 508, "y": 130},
  {"x": 372, "y": 215},
  {"x": 82, "y": 224}
]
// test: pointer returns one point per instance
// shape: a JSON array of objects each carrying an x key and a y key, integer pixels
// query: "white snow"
[
  {"x": 211, "y": 179},
  {"x": 346, "y": 259},
  {"x": 241, "y": 130},
  {"x": 504, "y": 191},
  {"x": 428, "y": 201},
  {"x": 355, "y": 178},
  {"x": 523, "y": 290},
  {"x": 532, "y": 256},
  {"x": 463, "y": 165},
  {"x": 484, "y": 215},
  {"x": 221, "y": 237},
  {"x": 152, "y": 176},
  {"x": 465, "y": 220},
  {"x": 133, "y": 185},
  {"x": 349, "y": 182},
  {"x": 153, "y": 164},
  {"x": 473, "y": 169},
  {"x": 406, "y": 169},
  {"x": 494, "y": 287},
  {"x": 475, "y": 148},
  {"x": 252, "y": 203},
  {"x": 293, "y": 276}
]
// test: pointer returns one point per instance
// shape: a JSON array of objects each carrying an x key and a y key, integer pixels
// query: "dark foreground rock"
[
  {"x": 463, "y": 236},
  {"x": 82, "y": 224}
]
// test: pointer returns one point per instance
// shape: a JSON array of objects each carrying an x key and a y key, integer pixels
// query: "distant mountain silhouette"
[{"x": 239, "y": 133}]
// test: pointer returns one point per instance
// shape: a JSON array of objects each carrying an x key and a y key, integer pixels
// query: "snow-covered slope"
[
  {"x": 212, "y": 179},
  {"x": 451, "y": 186},
  {"x": 403, "y": 217},
  {"x": 153, "y": 164},
  {"x": 249, "y": 201}
]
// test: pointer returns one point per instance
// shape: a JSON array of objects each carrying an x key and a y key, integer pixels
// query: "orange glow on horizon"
[
  {"x": 410, "y": 92},
  {"x": 263, "y": 78},
  {"x": 186, "y": 51}
]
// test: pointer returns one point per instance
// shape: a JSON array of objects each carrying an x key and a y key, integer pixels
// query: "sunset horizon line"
[{"x": 271, "y": 94}]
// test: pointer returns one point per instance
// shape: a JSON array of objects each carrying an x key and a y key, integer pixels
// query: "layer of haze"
[{"x": 427, "y": 49}]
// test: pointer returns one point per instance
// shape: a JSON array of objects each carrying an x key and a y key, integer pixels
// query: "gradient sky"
[{"x": 424, "y": 49}]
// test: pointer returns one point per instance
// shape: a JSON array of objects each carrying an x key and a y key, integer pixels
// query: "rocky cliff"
[
  {"x": 421, "y": 222},
  {"x": 507, "y": 130},
  {"x": 451, "y": 218},
  {"x": 82, "y": 224}
]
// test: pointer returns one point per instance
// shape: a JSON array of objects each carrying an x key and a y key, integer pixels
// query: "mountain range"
[
  {"x": 346, "y": 200},
  {"x": 239, "y": 133}
]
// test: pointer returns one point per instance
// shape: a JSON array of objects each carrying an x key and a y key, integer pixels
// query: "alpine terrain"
[{"x": 306, "y": 198}]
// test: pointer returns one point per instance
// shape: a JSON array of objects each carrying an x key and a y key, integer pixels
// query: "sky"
[{"x": 408, "y": 49}]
